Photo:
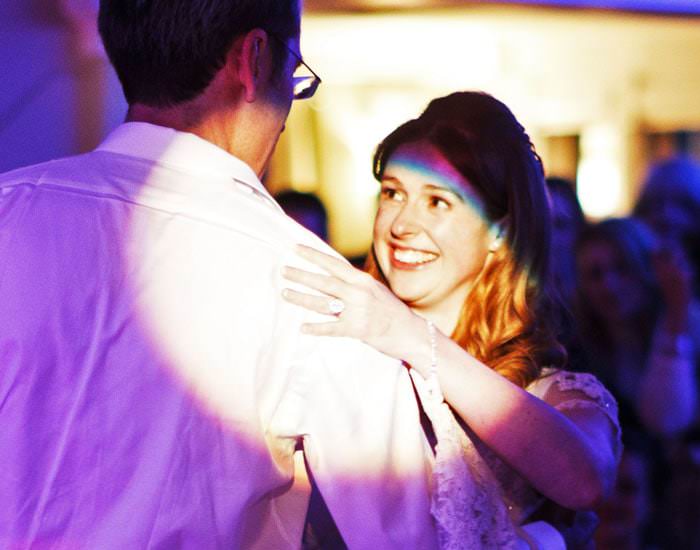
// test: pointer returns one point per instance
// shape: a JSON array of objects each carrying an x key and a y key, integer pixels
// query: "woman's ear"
[{"x": 497, "y": 235}]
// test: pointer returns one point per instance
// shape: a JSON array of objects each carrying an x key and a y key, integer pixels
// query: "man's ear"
[{"x": 251, "y": 52}]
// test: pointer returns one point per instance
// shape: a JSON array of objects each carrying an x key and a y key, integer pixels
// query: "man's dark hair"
[{"x": 166, "y": 52}]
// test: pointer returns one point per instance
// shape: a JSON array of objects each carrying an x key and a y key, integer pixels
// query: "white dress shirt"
[{"x": 154, "y": 384}]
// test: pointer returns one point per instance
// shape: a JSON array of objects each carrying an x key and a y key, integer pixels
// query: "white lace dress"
[{"x": 478, "y": 500}]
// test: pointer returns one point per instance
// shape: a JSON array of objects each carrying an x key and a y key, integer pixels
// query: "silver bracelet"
[{"x": 433, "y": 381}]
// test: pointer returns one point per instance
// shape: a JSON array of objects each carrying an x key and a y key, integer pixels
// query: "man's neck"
[
  {"x": 218, "y": 128},
  {"x": 182, "y": 118}
]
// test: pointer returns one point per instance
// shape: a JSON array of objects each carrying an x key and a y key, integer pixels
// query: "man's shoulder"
[{"x": 36, "y": 172}]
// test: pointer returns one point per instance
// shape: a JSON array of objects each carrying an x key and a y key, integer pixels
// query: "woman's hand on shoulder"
[{"x": 363, "y": 307}]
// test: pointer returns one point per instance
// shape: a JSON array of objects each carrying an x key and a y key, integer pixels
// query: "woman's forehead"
[
  {"x": 428, "y": 167},
  {"x": 426, "y": 162}
]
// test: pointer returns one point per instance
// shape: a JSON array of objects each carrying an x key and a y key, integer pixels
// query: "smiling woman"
[
  {"x": 430, "y": 237},
  {"x": 461, "y": 244},
  {"x": 478, "y": 159}
]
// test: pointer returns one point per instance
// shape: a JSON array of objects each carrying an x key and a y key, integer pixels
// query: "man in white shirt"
[{"x": 153, "y": 384}]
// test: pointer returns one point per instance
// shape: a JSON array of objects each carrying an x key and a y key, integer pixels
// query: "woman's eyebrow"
[
  {"x": 458, "y": 193},
  {"x": 392, "y": 179},
  {"x": 433, "y": 187}
]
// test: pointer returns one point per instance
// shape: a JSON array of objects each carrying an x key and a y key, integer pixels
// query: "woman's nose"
[{"x": 406, "y": 222}]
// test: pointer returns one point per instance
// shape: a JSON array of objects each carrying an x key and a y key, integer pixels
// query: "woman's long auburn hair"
[{"x": 507, "y": 319}]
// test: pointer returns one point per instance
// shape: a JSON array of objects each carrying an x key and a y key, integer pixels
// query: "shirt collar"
[{"x": 184, "y": 151}]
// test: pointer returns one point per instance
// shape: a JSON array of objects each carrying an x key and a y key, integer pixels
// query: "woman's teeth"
[{"x": 413, "y": 256}]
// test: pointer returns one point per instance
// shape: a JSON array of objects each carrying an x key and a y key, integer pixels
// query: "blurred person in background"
[
  {"x": 638, "y": 325},
  {"x": 640, "y": 333},
  {"x": 625, "y": 517},
  {"x": 461, "y": 241},
  {"x": 567, "y": 222},
  {"x": 306, "y": 209},
  {"x": 669, "y": 203}
]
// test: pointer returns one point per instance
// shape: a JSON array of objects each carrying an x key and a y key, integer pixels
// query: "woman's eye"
[
  {"x": 439, "y": 202},
  {"x": 390, "y": 194}
]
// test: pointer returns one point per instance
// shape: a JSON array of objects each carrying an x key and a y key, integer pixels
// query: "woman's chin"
[
  {"x": 416, "y": 299},
  {"x": 413, "y": 297}
]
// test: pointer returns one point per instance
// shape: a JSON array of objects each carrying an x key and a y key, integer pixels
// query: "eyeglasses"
[{"x": 305, "y": 85}]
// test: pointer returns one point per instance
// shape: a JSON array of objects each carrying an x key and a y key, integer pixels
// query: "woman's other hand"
[{"x": 364, "y": 308}]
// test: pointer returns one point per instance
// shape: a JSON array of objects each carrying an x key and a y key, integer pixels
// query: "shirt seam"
[{"x": 119, "y": 198}]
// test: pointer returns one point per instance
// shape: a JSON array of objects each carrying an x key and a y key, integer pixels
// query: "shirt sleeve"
[{"x": 365, "y": 446}]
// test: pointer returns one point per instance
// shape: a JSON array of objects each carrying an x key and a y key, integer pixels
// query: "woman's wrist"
[
  {"x": 433, "y": 380},
  {"x": 420, "y": 347}
]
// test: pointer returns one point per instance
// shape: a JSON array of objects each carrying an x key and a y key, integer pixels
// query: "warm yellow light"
[
  {"x": 418, "y": 50},
  {"x": 600, "y": 183},
  {"x": 599, "y": 187}
]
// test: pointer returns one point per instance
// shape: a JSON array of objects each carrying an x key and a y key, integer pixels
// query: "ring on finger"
[{"x": 336, "y": 306}]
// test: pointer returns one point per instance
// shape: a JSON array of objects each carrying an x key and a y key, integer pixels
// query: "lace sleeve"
[
  {"x": 566, "y": 391},
  {"x": 467, "y": 505}
]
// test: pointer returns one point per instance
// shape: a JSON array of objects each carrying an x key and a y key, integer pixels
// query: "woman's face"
[
  {"x": 430, "y": 235},
  {"x": 609, "y": 285}
]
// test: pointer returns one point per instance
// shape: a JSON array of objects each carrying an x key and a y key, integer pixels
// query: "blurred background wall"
[
  {"x": 57, "y": 93},
  {"x": 603, "y": 92}
]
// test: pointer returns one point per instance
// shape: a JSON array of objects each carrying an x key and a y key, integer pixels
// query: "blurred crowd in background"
[{"x": 629, "y": 287}]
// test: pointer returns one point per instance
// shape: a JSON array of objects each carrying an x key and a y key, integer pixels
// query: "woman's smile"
[{"x": 411, "y": 258}]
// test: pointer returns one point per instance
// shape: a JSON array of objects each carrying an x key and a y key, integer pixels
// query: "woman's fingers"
[
  {"x": 323, "y": 283},
  {"x": 319, "y": 304},
  {"x": 326, "y": 305}
]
